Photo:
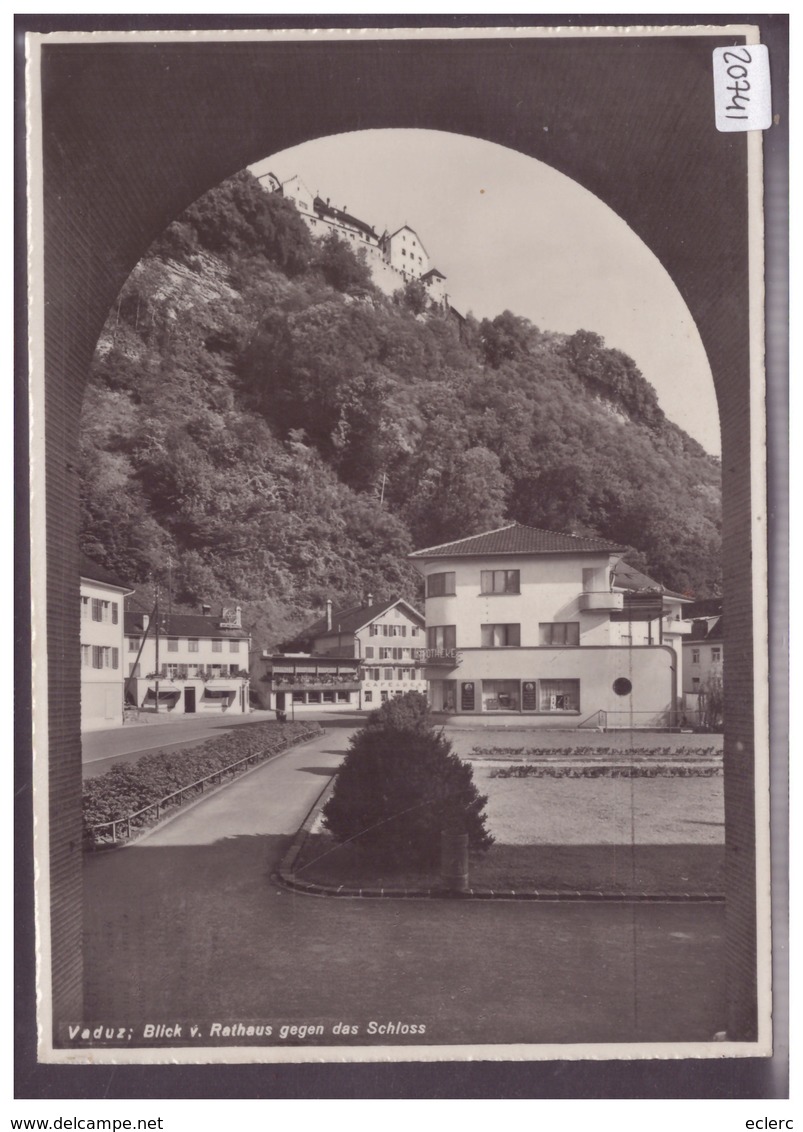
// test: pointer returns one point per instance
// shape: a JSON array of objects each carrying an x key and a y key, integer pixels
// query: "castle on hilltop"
[{"x": 395, "y": 258}]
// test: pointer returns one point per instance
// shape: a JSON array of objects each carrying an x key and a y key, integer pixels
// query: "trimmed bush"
[{"x": 399, "y": 787}]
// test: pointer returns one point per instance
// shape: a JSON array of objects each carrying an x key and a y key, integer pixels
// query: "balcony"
[
  {"x": 677, "y": 627},
  {"x": 437, "y": 658},
  {"x": 601, "y": 601}
]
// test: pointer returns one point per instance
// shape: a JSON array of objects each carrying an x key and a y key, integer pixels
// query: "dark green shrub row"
[
  {"x": 597, "y": 753},
  {"x": 129, "y": 787},
  {"x": 534, "y": 770}
]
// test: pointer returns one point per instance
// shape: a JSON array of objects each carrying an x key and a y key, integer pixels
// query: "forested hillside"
[{"x": 261, "y": 424}]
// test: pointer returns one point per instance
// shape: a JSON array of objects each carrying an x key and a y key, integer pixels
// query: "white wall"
[{"x": 101, "y": 688}]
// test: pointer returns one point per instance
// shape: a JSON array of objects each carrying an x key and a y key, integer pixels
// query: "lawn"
[{"x": 661, "y": 834}]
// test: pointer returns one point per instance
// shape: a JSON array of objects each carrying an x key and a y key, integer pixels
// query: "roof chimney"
[
  {"x": 206, "y": 610},
  {"x": 370, "y": 599},
  {"x": 328, "y": 615}
]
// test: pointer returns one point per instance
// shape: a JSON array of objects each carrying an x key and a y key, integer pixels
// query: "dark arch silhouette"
[{"x": 132, "y": 133}]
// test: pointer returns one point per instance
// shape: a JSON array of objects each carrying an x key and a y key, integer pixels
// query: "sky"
[{"x": 512, "y": 233}]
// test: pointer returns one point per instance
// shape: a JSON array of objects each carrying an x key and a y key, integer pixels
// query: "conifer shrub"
[{"x": 400, "y": 786}]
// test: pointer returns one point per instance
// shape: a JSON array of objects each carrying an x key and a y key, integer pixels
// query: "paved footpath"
[{"x": 188, "y": 925}]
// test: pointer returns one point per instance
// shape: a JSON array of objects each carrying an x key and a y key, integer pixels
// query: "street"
[
  {"x": 188, "y": 924},
  {"x": 103, "y": 749}
]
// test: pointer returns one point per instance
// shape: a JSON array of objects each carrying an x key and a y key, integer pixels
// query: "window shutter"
[
  {"x": 114, "y": 616},
  {"x": 115, "y": 652}
]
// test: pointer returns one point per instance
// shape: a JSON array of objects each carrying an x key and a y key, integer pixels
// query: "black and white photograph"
[{"x": 398, "y": 544}]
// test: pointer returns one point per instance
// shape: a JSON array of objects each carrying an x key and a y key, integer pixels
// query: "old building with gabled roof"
[{"x": 377, "y": 641}]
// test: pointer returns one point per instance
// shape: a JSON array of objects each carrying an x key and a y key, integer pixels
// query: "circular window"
[{"x": 622, "y": 686}]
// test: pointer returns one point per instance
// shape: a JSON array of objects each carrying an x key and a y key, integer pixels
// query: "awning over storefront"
[{"x": 221, "y": 685}]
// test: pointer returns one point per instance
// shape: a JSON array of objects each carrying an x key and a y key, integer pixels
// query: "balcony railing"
[
  {"x": 676, "y": 626},
  {"x": 593, "y": 601}
]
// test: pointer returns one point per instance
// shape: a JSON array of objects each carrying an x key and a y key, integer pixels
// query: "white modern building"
[
  {"x": 102, "y": 598},
  {"x": 187, "y": 663},
  {"x": 552, "y": 626}
]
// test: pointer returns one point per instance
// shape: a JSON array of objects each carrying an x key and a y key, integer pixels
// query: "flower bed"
[
  {"x": 638, "y": 770},
  {"x": 130, "y": 787},
  {"x": 599, "y": 754}
]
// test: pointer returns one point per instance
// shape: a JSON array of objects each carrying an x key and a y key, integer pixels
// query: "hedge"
[
  {"x": 639, "y": 770},
  {"x": 129, "y": 787}
]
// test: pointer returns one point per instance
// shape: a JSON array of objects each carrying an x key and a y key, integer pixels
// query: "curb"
[{"x": 286, "y": 877}]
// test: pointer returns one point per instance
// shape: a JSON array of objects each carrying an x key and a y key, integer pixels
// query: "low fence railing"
[
  {"x": 107, "y": 834},
  {"x": 676, "y": 719}
]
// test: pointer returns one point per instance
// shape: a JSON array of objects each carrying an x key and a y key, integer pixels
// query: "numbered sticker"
[{"x": 742, "y": 88}]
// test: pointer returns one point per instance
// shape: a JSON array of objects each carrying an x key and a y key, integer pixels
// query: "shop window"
[
  {"x": 298, "y": 698},
  {"x": 559, "y": 695},
  {"x": 559, "y": 633},
  {"x": 500, "y": 636},
  {"x": 500, "y": 695},
  {"x": 440, "y": 585},
  {"x": 313, "y": 697},
  {"x": 344, "y": 697},
  {"x": 500, "y": 581}
]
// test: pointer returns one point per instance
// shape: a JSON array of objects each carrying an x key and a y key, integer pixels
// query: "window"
[
  {"x": 328, "y": 697},
  {"x": 234, "y": 646},
  {"x": 133, "y": 644},
  {"x": 172, "y": 644},
  {"x": 559, "y": 695},
  {"x": 369, "y": 652},
  {"x": 313, "y": 697},
  {"x": 192, "y": 644},
  {"x": 97, "y": 609},
  {"x": 401, "y": 674},
  {"x": 388, "y": 674},
  {"x": 439, "y": 585},
  {"x": 298, "y": 698},
  {"x": 716, "y": 655},
  {"x": 695, "y": 656},
  {"x": 369, "y": 697},
  {"x": 398, "y": 654},
  {"x": 383, "y": 697},
  {"x": 86, "y": 655},
  {"x": 622, "y": 686},
  {"x": 217, "y": 646},
  {"x": 373, "y": 673},
  {"x": 500, "y": 636},
  {"x": 414, "y": 631},
  {"x": 499, "y": 581},
  {"x": 442, "y": 637},
  {"x": 344, "y": 697},
  {"x": 84, "y": 608},
  {"x": 559, "y": 633},
  {"x": 373, "y": 630},
  {"x": 97, "y": 656},
  {"x": 695, "y": 683},
  {"x": 384, "y": 654}
]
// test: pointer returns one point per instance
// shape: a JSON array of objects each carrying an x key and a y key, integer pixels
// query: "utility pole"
[{"x": 156, "y": 607}]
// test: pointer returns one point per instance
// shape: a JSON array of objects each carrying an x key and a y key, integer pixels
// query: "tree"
[
  {"x": 340, "y": 267},
  {"x": 400, "y": 786}
]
